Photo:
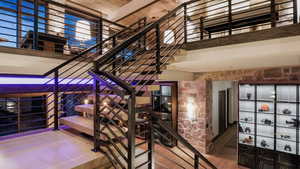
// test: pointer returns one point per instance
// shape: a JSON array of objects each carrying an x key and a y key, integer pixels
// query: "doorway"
[{"x": 223, "y": 114}]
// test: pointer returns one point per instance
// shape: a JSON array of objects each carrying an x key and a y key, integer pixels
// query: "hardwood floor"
[
  {"x": 50, "y": 150},
  {"x": 225, "y": 157}
]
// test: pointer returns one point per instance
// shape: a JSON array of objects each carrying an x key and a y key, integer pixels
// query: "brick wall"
[
  {"x": 195, "y": 127},
  {"x": 198, "y": 130},
  {"x": 267, "y": 74}
]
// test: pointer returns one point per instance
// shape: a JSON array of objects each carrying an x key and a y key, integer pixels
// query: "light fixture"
[
  {"x": 86, "y": 101},
  {"x": 191, "y": 109}
]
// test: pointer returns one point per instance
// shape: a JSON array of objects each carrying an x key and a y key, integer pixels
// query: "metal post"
[
  {"x": 35, "y": 40},
  {"x": 131, "y": 131},
  {"x": 145, "y": 36},
  {"x": 196, "y": 162},
  {"x": 140, "y": 41},
  {"x": 97, "y": 102},
  {"x": 230, "y": 16},
  {"x": 114, "y": 64},
  {"x": 201, "y": 28},
  {"x": 100, "y": 36},
  {"x": 273, "y": 13},
  {"x": 151, "y": 144},
  {"x": 295, "y": 9},
  {"x": 185, "y": 23},
  {"x": 56, "y": 92},
  {"x": 19, "y": 23},
  {"x": 158, "y": 48}
]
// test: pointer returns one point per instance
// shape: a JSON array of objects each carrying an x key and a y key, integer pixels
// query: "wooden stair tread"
[
  {"x": 86, "y": 126},
  {"x": 140, "y": 100}
]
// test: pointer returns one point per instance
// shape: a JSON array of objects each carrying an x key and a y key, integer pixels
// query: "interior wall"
[
  {"x": 216, "y": 87},
  {"x": 298, "y": 3}
]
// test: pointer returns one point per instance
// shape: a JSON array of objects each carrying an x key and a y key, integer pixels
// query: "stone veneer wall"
[
  {"x": 268, "y": 74},
  {"x": 198, "y": 130}
]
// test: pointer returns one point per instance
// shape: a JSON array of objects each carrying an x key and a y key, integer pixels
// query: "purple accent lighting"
[{"x": 40, "y": 81}]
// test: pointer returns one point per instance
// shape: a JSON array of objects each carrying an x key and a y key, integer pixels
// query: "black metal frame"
[{"x": 276, "y": 154}]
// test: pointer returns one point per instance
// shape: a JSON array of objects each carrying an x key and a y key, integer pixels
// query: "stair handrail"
[
  {"x": 183, "y": 141},
  {"x": 114, "y": 51},
  {"x": 91, "y": 48},
  {"x": 95, "y": 74}
]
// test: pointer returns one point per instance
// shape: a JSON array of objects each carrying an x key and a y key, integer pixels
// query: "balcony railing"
[
  {"x": 52, "y": 26},
  {"x": 220, "y": 18}
]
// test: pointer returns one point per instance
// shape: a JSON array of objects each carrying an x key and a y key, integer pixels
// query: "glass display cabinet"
[{"x": 269, "y": 126}]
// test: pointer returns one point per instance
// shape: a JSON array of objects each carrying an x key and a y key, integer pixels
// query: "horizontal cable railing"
[
  {"x": 63, "y": 87},
  {"x": 52, "y": 26},
  {"x": 184, "y": 155},
  {"x": 220, "y": 18}
]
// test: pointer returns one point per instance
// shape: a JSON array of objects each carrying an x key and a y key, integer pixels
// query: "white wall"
[
  {"x": 216, "y": 87},
  {"x": 298, "y": 3},
  {"x": 23, "y": 64}
]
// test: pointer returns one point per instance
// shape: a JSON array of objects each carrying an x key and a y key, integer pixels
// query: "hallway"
[{"x": 224, "y": 155}]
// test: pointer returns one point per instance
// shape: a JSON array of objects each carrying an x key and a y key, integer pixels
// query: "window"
[
  {"x": 19, "y": 114},
  {"x": 28, "y": 17},
  {"x": 8, "y": 23},
  {"x": 79, "y": 31}
]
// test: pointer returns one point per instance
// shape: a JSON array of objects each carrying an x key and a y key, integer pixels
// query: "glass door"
[
  {"x": 247, "y": 115},
  {"x": 265, "y": 109},
  {"x": 164, "y": 105},
  {"x": 286, "y": 116}
]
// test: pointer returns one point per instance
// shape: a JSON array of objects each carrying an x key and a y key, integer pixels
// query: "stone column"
[{"x": 195, "y": 115}]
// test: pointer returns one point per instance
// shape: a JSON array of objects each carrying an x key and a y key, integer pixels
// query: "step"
[
  {"x": 89, "y": 109},
  {"x": 137, "y": 68},
  {"x": 86, "y": 125},
  {"x": 140, "y": 100}
]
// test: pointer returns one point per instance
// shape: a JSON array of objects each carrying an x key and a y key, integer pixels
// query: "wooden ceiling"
[
  {"x": 103, "y": 6},
  {"x": 152, "y": 12}
]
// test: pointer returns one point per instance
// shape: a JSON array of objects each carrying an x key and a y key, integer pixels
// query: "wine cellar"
[{"x": 269, "y": 126}]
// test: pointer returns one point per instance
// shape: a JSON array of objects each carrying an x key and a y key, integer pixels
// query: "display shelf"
[
  {"x": 266, "y": 125},
  {"x": 287, "y": 93},
  {"x": 273, "y": 110},
  {"x": 265, "y": 136},
  {"x": 247, "y": 111},
  {"x": 247, "y": 100},
  {"x": 265, "y": 142},
  {"x": 286, "y": 127},
  {"x": 266, "y": 112},
  {"x": 266, "y": 100},
  {"x": 265, "y": 92},
  {"x": 247, "y": 122},
  {"x": 286, "y": 101},
  {"x": 246, "y": 139},
  {"x": 286, "y": 146},
  {"x": 288, "y": 115}
]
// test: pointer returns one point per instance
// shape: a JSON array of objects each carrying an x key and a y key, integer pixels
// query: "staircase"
[{"x": 113, "y": 81}]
